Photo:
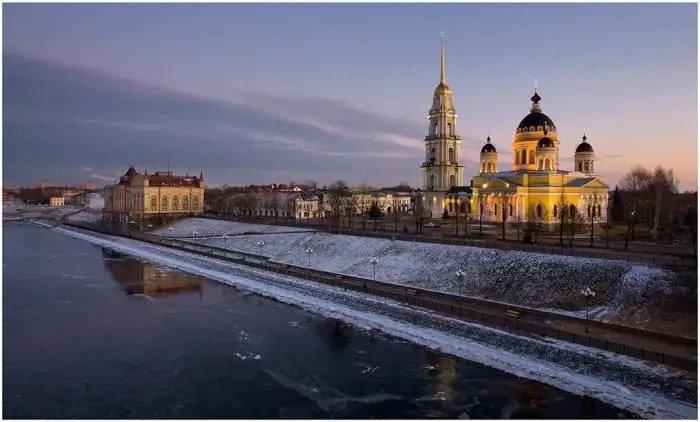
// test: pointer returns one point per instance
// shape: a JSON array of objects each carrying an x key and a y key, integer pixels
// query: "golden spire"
[
  {"x": 442, "y": 87},
  {"x": 442, "y": 58}
]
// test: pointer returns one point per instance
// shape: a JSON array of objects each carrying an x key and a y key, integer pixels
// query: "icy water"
[{"x": 88, "y": 333}]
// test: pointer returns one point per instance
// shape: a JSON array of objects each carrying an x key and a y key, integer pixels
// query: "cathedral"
[{"x": 534, "y": 189}]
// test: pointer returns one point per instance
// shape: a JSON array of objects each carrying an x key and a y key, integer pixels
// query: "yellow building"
[
  {"x": 536, "y": 188},
  {"x": 140, "y": 196},
  {"x": 57, "y": 201}
]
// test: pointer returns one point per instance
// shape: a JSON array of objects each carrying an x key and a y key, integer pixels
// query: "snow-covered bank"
[
  {"x": 625, "y": 382},
  {"x": 209, "y": 227},
  {"x": 525, "y": 278},
  {"x": 85, "y": 216}
]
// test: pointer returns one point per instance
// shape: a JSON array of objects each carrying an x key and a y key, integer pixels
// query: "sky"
[{"x": 263, "y": 93}]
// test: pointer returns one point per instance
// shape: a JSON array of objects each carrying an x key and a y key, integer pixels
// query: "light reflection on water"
[{"x": 97, "y": 334}]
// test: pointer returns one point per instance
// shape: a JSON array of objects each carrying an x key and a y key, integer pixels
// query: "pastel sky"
[{"x": 263, "y": 93}]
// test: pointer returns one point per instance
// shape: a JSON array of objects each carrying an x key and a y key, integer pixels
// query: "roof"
[{"x": 577, "y": 183}]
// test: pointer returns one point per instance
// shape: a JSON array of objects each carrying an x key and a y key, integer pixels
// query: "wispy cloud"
[{"x": 72, "y": 116}]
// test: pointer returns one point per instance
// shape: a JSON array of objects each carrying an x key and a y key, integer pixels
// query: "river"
[{"x": 89, "y": 333}]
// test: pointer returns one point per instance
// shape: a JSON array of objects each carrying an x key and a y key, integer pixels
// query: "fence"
[
  {"x": 437, "y": 301},
  {"x": 640, "y": 258}
]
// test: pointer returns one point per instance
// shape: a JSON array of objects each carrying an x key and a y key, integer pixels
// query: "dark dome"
[
  {"x": 545, "y": 143},
  {"x": 536, "y": 118},
  {"x": 584, "y": 146},
  {"x": 488, "y": 147}
]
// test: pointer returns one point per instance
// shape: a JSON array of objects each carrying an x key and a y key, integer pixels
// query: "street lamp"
[
  {"x": 588, "y": 294},
  {"x": 374, "y": 261},
  {"x": 309, "y": 251},
  {"x": 225, "y": 240},
  {"x": 260, "y": 244},
  {"x": 460, "y": 275}
]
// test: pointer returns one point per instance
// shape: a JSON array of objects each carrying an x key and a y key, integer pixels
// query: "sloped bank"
[{"x": 625, "y": 293}]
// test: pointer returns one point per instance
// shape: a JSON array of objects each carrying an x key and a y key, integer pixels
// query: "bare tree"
[
  {"x": 275, "y": 204},
  {"x": 350, "y": 209},
  {"x": 535, "y": 219},
  {"x": 338, "y": 192}
]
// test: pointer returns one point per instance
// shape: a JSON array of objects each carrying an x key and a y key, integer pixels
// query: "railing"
[{"x": 453, "y": 305}]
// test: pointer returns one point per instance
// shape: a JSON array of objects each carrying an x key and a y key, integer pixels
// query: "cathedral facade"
[{"x": 535, "y": 188}]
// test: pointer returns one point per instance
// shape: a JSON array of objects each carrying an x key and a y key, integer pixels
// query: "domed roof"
[
  {"x": 442, "y": 88},
  {"x": 584, "y": 146},
  {"x": 488, "y": 146},
  {"x": 545, "y": 142},
  {"x": 536, "y": 117}
]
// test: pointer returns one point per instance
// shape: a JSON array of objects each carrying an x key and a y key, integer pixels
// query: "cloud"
[{"x": 60, "y": 119}]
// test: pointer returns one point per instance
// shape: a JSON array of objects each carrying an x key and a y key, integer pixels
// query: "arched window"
[
  {"x": 164, "y": 203},
  {"x": 532, "y": 156},
  {"x": 432, "y": 154},
  {"x": 586, "y": 167},
  {"x": 452, "y": 180},
  {"x": 435, "y": 128},
  {"x": 546, "y": 164},
  {"x": 539, "y": 167},
  {"x": 555, "y": 211},
  {"x": 185, "y": 203},
  {"x": 175, "y": 203},
  {"x": 449, "y": 129},
  {"x": 432, "y": 181},
  {"x": 195, "y": 203},
  {"x": 451, "y": 155},
  {"x": 539, "y": 210},
  {"x": 523, "y": 156},
  {"x": 580, "y": 166},
  {"x": 154, "y": 202}
]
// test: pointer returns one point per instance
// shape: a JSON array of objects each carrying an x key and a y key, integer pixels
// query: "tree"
[
  {"x": 375, "y": 213},
  {"x": 535, "y": 219},
  {"x": 350, "y": 209},
  {"x": 338, "y": 193},
  {"x": 275, "y": 204},
  {"x": 617, "y": 208},
  {"x": 690, "y": 220}
]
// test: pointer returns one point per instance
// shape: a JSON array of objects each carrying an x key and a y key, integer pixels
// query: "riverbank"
[
  {"x": 636, "y": 295},
  {"x": 576, "y": 369}
]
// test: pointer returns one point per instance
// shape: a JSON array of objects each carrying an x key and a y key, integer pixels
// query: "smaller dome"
[
  {"x": 488, "y": 146},
  {"x": 545, "y": 142},
  {"x": 536, "y": 98},
  {"x": 584, "y": 146},
  {"x": 442, "y": 89}
]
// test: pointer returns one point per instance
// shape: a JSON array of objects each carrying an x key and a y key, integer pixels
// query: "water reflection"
[
  {"x": 334, "y": 332},
  {"x": 442, "y": 369},
  {"x": 146, "y": 278}
]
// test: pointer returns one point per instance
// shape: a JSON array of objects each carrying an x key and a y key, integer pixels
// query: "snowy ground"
[
  {"x": 209, "y": 227},
  {"x": 20, "y": 210},
  {"x": 86, "y": 216},
  {"x": 529, "y": 279},
  {"x": 651, "y": 392}
]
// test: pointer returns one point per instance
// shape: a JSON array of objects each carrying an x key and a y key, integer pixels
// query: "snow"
[
  {"x": 85, "y": 217},
  {"x": 210, "y": 227},
  {"x": 96, "y": 201},
  {"x": 625, "y": 382},
  {"x": 517, "y": 277}
]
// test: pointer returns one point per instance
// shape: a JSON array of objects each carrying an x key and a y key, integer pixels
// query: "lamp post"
[
  {"x": 225, "y": 240},
  {"x": 260, "y": 244},
  {"x": 588, "y": 294},
  {"x": 630, "y": 226},
  {"x": 309, "y": 251},
  {"x": 374, "y": 261},
  {"x": 460, "y": 276}
]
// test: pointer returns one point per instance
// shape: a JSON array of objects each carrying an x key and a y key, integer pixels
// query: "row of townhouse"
[{"x": 310, "y": 205}]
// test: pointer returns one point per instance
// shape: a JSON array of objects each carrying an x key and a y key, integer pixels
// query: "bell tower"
[{"x": 441, "y": 168}]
